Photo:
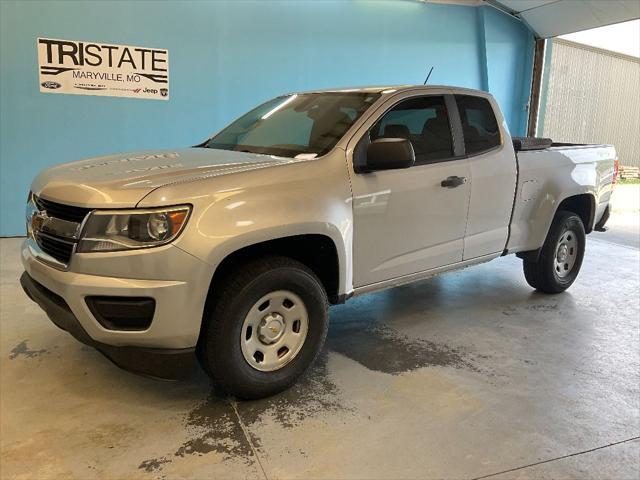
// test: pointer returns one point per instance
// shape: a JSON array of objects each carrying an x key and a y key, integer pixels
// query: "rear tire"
[
  {"x": 266, "y": 328},
  {"x": 560, "y": 257}
]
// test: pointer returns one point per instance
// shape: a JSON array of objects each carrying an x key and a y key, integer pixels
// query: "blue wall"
[
  {"x": 225, "y": 57},
  {"x": 509, "y": 60}
]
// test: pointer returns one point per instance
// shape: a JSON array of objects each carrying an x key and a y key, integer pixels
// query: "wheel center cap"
[
  {"x": 271, "y": 328},
  {"x": 562, "y": 253}
]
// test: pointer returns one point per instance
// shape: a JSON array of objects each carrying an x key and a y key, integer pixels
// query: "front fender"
[
  {"x": 226, "y": 247},
  {"x": 239, "y": 210}
]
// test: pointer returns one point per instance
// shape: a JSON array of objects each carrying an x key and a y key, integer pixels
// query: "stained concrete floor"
[{"x": 467, "y": 375}]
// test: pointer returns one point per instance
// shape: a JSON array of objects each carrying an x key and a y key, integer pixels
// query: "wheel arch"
[
  {"x": 583, "y": 205},
  {"x": 317, "y": 251}
]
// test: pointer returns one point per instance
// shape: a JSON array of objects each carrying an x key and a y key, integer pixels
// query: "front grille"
[
  {"x": 54, "y": 241},
  {"x": 59, "y": 249},
  {"x": 58, "y": 210}
]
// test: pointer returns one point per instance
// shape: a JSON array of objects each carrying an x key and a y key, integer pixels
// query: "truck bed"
[{"x": 548, "y": 172}]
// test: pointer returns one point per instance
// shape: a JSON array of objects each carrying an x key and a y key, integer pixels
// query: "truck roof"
[{"x": 394, "y": 89}]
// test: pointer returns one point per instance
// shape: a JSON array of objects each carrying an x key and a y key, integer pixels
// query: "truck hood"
[{"x": 118, "y": 181}]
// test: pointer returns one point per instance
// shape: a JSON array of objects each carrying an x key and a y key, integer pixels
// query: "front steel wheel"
[
  {"x": 274, "y": 330},
  {"x": 267, "y": 324}
]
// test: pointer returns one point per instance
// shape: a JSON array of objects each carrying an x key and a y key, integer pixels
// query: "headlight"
[{"x": 108, "y": 231}]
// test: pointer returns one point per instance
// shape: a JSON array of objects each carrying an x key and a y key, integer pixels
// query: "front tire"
[
  {"x": 561, "y": 256},
  {"x": 266, "y": 328}
]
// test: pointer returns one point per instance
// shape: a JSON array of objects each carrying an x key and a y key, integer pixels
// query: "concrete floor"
[{"x": 467, "y": 375}]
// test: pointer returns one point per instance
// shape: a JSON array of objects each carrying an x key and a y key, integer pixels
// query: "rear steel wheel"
[
  {"x": 561, "y": 255},
  {"x": 566, "y": 253}
]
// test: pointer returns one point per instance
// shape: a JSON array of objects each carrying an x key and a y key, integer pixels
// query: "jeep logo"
[
  {"x": 150, "y": 90},
  {"x": 51, "y": 85}
]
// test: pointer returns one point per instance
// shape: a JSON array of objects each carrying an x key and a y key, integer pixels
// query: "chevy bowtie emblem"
[
  {"x": 39, "y": 220},
  {"x": 273, "y": 329}
]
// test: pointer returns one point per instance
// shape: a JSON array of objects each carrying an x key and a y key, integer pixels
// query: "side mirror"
[{"x": 389, "y": 154}]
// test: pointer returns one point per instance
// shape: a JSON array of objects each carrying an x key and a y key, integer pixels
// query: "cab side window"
[
  {"x": 479, "y": 125},
  {"x": 424, "y": 122}
]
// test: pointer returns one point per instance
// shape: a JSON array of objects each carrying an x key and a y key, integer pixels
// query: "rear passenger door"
[
  {"x": 405, "y": 220},
  {"x": 493, "y": 175}
]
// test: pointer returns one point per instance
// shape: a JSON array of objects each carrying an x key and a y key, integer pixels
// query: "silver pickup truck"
[{"x": 232, "y": 251}]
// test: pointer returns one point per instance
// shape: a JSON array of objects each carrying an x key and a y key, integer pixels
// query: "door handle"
[{"x": 453, "y": 182}]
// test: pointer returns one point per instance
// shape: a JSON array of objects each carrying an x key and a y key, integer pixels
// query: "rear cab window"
[{"x": 479, "y": 124}]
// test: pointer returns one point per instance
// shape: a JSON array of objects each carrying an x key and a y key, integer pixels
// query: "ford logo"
[{"x": 51, "y": 85}]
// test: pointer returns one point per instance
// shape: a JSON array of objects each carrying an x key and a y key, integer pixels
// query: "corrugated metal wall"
[{"x": 590, "y": 95}]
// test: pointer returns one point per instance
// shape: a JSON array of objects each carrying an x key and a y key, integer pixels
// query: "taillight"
[{"x": 616, "y": 170}]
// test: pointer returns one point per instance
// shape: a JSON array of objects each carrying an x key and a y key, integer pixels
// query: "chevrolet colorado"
[{"x": 231, "y": 251}]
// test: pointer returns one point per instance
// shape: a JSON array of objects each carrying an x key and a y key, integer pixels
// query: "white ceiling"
[
  {"x": 550, "y": 18},
  {"x": 521, "y": 5}
]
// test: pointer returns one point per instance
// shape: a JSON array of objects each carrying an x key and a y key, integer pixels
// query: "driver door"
[{"x": 405, "y": 220}]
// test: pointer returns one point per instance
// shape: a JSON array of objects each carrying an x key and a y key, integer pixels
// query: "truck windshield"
[{"x": 309, "y": 123}]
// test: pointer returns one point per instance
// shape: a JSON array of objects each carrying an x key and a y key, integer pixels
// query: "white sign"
[{"x": 88, "y": 68}]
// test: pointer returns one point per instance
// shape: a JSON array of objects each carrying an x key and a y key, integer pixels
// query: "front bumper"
[
  {"x": 164, "y": 363},
  {"x": 166, "y": 348}
]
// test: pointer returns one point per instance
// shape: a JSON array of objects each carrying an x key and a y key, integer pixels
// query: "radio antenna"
[{"x": 428, "y": 75}]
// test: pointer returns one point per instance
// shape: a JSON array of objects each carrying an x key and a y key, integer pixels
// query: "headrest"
[
  {"x": 396, "y": 131},
  {"x": 439, "y": 123}
]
